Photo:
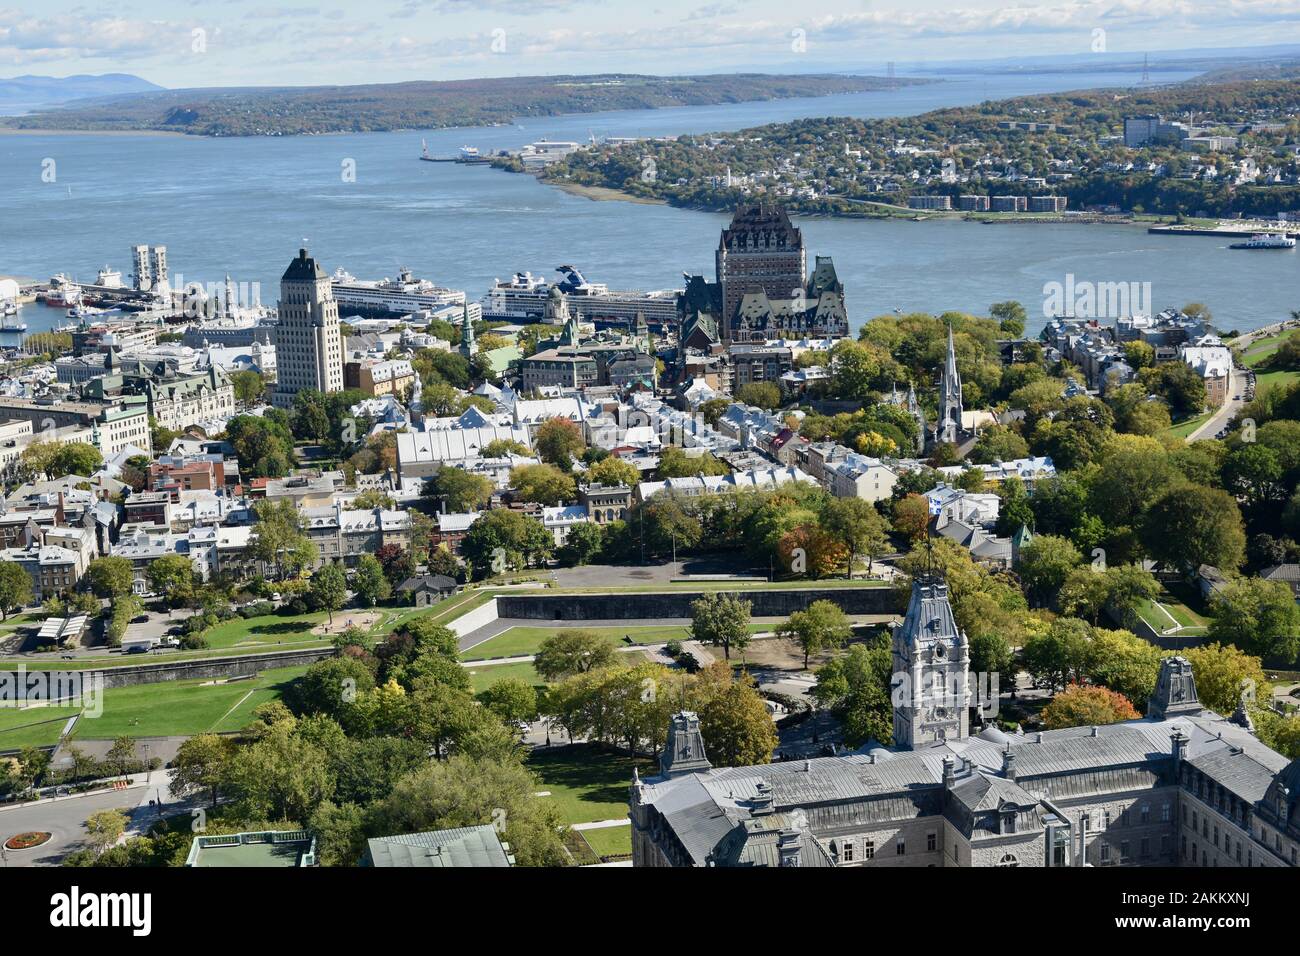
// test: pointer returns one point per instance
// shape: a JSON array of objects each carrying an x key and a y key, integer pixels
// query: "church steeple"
[
  {"x": 949, "y": 427},
  {"x": 466, "y": 334},
  {"x": 931, "y": 661}
]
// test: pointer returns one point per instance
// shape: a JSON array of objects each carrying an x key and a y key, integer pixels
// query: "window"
[
  {"x": 901, "y": 847},
  {"x": 868, "y": 850},
  {"x": 1123, "y": 851},
  {"x": 846, "y": 853},
  {"x": 1008, "y": 859},
  {"x": 1145, "y": 847},
  {"x": 931, "y": 842},
  {"x": 1105, "y": 852},
  {"x": 1164, "y": 813}
]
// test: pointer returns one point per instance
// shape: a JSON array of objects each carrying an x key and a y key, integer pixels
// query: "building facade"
[{"x": 308, "y": 343}]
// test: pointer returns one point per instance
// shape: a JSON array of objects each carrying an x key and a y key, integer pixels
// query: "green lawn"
[
  {"x": 483, "y": 676},
  {"x": 32, "y": 726},
  {"x": 183, "y": 707},
  {"x": 609, "y": 841},
  {"x": 1188, "y": 425},
  {"x": 518, "y": 641},
  {"x": 587, "y": 782},
  {"x": 266, "y": 629},
  {"x": 1190, "y": 622},
  {"x": 1268, "y": 379}
]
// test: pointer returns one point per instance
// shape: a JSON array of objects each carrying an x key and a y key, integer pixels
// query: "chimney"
[
  {"x": 788, "y": 843},
  {"x": 59, "y": 516},
  {"x": 1009, "y": 763},
  {"x": 1178, "y": 740},
  {"x": 949, "y": 778},
  {"x": 1094, "y": 732}
]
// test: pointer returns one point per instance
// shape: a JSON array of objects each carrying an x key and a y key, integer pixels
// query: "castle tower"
[
  {"x": 931, "y": 662},
  {"x": 760, "y": 251},
  {"x": 1175, "y": 693},
  {"x": 949, "y": 426},
  {"x": 684, "y": 750},
  {"x": 308, "y": 340}
]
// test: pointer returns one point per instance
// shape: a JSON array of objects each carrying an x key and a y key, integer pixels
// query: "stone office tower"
[
  {"x": 931, "y": 661},
  {"x": 308, "y": 343},
  {"x": 761, "y": 251}
]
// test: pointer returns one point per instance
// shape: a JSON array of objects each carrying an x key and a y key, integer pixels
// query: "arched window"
[{"x": 1008, "y": 859}]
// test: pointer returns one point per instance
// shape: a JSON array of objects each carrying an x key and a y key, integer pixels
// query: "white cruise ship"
[
  {"x": 522, "y": 298},
  {"x": 402, "y": 295}
]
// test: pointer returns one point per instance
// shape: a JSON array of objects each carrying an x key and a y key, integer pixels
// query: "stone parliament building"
[{"x": 1182, "y": 787}]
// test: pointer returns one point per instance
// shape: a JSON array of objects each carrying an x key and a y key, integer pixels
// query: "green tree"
[
  {"x": 583, "y": 543},
  {"x": 370, "y": 582},
  {"x": 202, "y": 763},
  {"x": 558, "y": 442},
  {"x": 463, "y": 491},
  {"x": 543, "y": 484},
  {"x": 15, "y": 588},
  {"x": 503, "y": 540},
  {"x": 104, "y": 828},
  {"x": 857, "y": 525},
  {"x": 329, "y": 586},
  {"x": 1060, "y": 655},
  {"x": 572, "y": 651},
  {"x": 721, "y": 620},
  {"x": 821, "y": 626},
  {"x": 1258, "y": 616},
  {"x": 1223, "y": 673},
  {"x": 511, "y": 699},
  {"x": 173, "y": 577},
  {"x": 736, "y": 726},
  {"x": 329, "y": 686},
  {"x": 281, "y": 776},
  {"x": 764, "y": 395},
  {"x": 122, "y": 754},
  {"x": 280, "y": 540},
  {"x": 1045, "y": 563},
  {"x": 249, "y": 386},
  {"x": 110, "y": 577},
  {"x": 1190, "y": 525},
  {"x": 856, "y": 688},
  {"x": 614, "y": 471}
]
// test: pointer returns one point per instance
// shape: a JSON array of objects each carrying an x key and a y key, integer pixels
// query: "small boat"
[
  {"x": 8, "y": 324},
  {"x": 1265, "y": 240}
]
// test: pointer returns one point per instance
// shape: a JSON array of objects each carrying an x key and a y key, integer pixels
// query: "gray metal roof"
[{"x": 464, "y": 846}]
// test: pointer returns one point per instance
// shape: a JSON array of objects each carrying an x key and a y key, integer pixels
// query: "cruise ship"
[
  {"x": 1266, "y": 240},
  {"x": 402, "y": 295},
  {"x": 522, "y": 298}
]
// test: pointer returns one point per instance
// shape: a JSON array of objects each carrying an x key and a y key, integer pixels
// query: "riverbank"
[{"x": 604, "y": 194}]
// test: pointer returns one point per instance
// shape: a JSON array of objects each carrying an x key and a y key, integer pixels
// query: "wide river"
[{"x": 244, "y": 206}]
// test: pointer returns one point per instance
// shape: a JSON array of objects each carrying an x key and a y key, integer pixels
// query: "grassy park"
[
  {"x": 520, "y": 641},
  {"x": 587, "y": 782}
]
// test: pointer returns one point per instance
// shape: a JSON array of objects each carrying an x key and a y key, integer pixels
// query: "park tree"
[
  {"x": 1059, "y": 655},
  {"x": 15, "y": 588},
  {"x": 736, "y": 726},
  {"x": 859, "y": 527},
  {"x": 263, "y": 444},
  {"x": 1260, "y": 617},
  {"x": 511, "y": 699},
  {"x": 369, "y": 581},
  {"x": 543, "y": 484},
  {"x": 122, "y": 754},
  {"x": 583, "y": 543},
  {"x": 721, "y": 620},
  {"x": 1011, "y": 317},
  {"x": 668, "y": 521},
  {"x": 559, "y": 442},
  {"x": 572, "y": 651},
  {"x": 808, "y": 549},
  {"x": 104, "y": 828},
  {"x": 819, "y": 627},
  {"x": 329, "y": 586},
  {"x": 1125, "y": 663},
  {"x": 202, "y": 763},
  {"x": 674, "y": 462},
  {"x": 503, "y": 540},
  {"x": 1081, "y": 706},
  {"x": 281, "y": 776},
  {"x": 998, "y": 443},
  {"x": 463, "y": 791},
  {"x": 1223, "y": 673},
  {"x": 110, "y": 577},
  {"x": 856, "y": 688},
  {"x": 329, "y": 686},
  {"x": 912, "y": 517},
  {"x": 249, "y": 386},
  {"x": 1190, "y": 525},
  {"x": 173, "y": 577}
]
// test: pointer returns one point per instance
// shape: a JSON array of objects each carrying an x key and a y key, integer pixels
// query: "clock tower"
[{"x": 930, "y": 677}]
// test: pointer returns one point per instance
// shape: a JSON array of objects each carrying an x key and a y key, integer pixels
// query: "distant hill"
[
  {"x": 22, "y": 93},
  {"x": 287, "y": 111}
]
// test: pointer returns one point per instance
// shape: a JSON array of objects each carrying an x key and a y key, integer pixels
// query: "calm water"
[{"x": 244, "y": 206}]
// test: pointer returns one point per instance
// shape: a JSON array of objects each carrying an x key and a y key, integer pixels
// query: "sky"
[{"x": 187, "y": 43}]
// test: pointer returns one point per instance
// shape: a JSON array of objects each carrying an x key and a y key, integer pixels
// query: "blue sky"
[{"x": 239, "y": 42}]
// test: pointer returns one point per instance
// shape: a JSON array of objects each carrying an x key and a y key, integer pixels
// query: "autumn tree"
[{"x": 1082, "y": 706}]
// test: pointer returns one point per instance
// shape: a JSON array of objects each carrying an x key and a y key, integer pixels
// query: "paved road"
[
  {"x": 1216, "y": 422},
  {"x": 65, "y": 819}
]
